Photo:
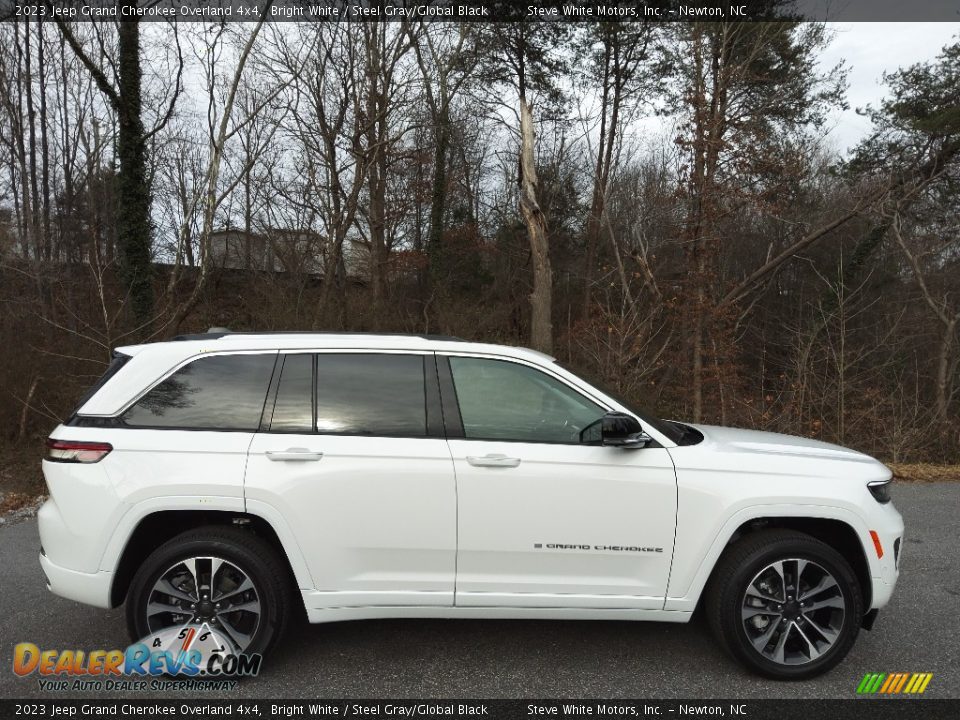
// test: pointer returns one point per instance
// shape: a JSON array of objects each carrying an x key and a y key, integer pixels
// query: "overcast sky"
[{"x": 870, "y": 49}]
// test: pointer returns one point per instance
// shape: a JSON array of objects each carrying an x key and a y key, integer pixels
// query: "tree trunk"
[
  {"x": 599, "y": 192},
  {"x": 133, "y": 195},
  {"x": 34, "y": 189},
  {"x": 541, "y": 325},
  {"x": 66, "y": 225},
  {"x": 330, "y": 271},
  {"x": 438, "y": 199},
  {"x": 377, "y": 220},
  {"x": 710, "y": 113},
  {"x": 44, "y": 143},
  {"x": 945, "y": 365},
  {"x": 376, "y": 111},
  {"x": 697, "y": 349},
  {"x": 26, "y": 226}
]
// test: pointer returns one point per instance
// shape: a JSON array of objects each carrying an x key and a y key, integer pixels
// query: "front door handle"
[
  {"x": 294, "y": 454},
  {"x": 493, "y": 460}
]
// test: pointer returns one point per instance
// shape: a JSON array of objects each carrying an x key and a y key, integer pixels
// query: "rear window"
[{"x": 222, "y": 392}]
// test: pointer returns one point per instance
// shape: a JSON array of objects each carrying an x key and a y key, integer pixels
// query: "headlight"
[{"x": 880, "y": 490}]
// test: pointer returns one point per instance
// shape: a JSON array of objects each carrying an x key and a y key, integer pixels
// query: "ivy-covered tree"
[{"x": 124, "y": 92}]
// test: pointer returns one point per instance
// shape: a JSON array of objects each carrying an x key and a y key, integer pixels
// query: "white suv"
[{"x": 234, "y": 478}]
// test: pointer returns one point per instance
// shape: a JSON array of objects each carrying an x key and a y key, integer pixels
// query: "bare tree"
[
  {"x": 526, "y": 58},
  {"x": 947, "y": 315},
  {"x": 206, "y": 203},
  {"x": 447, "y": 59},
  {"x": 617, "y": 52}
]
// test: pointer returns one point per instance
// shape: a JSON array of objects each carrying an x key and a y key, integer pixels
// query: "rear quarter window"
[{"x": 221, "y": 392}]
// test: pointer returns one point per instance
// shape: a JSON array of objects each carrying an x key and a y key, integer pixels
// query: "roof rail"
[{"x": 215, "y": 333}]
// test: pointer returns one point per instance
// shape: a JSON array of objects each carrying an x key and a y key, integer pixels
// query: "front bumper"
[
  {"x": 888, "y": 525},
  {"x": 89, "y": 588}
]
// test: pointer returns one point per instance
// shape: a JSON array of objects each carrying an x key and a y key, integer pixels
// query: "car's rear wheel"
[
  {"x": 224, "y": 578},
  {"x": 784, "y": 604}
]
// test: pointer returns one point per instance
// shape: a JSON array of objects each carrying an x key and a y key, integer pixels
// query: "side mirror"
[{"x": 621, "y": 430}]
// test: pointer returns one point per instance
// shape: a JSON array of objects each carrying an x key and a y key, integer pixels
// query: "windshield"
[{"x": 676, "y": 432}]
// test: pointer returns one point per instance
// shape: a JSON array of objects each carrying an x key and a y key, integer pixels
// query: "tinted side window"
[
  {"x": 293, "y": 409},
  {"x": 370, "y": 394},
  {"x": 502, "y": 400},
  {"x": 223, "y": 392}
]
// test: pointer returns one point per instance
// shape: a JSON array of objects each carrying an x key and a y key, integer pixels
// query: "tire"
[
  {"x": 264, "y": 607},
  {"x": 758, "y": 619}
]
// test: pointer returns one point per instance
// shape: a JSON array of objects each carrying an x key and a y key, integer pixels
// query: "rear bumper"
[
  {"x": 78, "y": 577},
  {"x": 88, "y": 588}
]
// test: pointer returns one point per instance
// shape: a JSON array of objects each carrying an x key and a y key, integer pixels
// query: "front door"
[
  {"x": 354, "y": 459},
  {"x": 547, "y": 518}
]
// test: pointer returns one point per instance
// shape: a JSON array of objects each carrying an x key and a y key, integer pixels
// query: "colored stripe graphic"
[
  {"x": 891, "y": 679},
  {"x": 870, "y": 683},
  {"x": 918, "y": 683},
  {"x": 903, "y": 681},
  {"x": 894, "y": 683}
]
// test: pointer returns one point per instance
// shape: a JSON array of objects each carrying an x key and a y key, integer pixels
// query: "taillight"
[{"x": 75, "y": 451}]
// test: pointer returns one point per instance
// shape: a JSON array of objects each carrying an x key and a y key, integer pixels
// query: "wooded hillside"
[{"x": 654, "y": 204}]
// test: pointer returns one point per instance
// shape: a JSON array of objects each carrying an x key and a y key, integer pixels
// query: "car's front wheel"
[
  {"x": 785, "y": 604},
  {"x": 224, "y": 578}
]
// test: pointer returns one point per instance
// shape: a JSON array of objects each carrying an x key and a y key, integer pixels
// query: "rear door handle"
[
  {"x": 293, "y": 454},
  {"x": 493, "y": 460}
]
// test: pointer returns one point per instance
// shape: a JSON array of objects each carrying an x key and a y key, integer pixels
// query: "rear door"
[{"x": 353, "y": 457}]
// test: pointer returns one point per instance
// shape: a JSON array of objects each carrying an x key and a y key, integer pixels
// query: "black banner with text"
[
  {"x": 481, "y": 10},
  {"x": 854, "y": 709}
]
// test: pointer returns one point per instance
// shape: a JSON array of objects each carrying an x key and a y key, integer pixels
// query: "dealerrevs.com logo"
[
  {"x": 894, "y": 683},
  {"x": 194, "y": 653}
]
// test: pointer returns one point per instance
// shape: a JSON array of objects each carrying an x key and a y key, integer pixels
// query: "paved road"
[{"x": 919, "y": 631}]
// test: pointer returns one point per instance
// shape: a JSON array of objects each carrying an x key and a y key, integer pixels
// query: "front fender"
[{"x": 695, "y": 558}]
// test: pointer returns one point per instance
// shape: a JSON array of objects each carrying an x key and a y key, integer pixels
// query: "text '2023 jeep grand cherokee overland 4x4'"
[{"x": 227, "y": 478}]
